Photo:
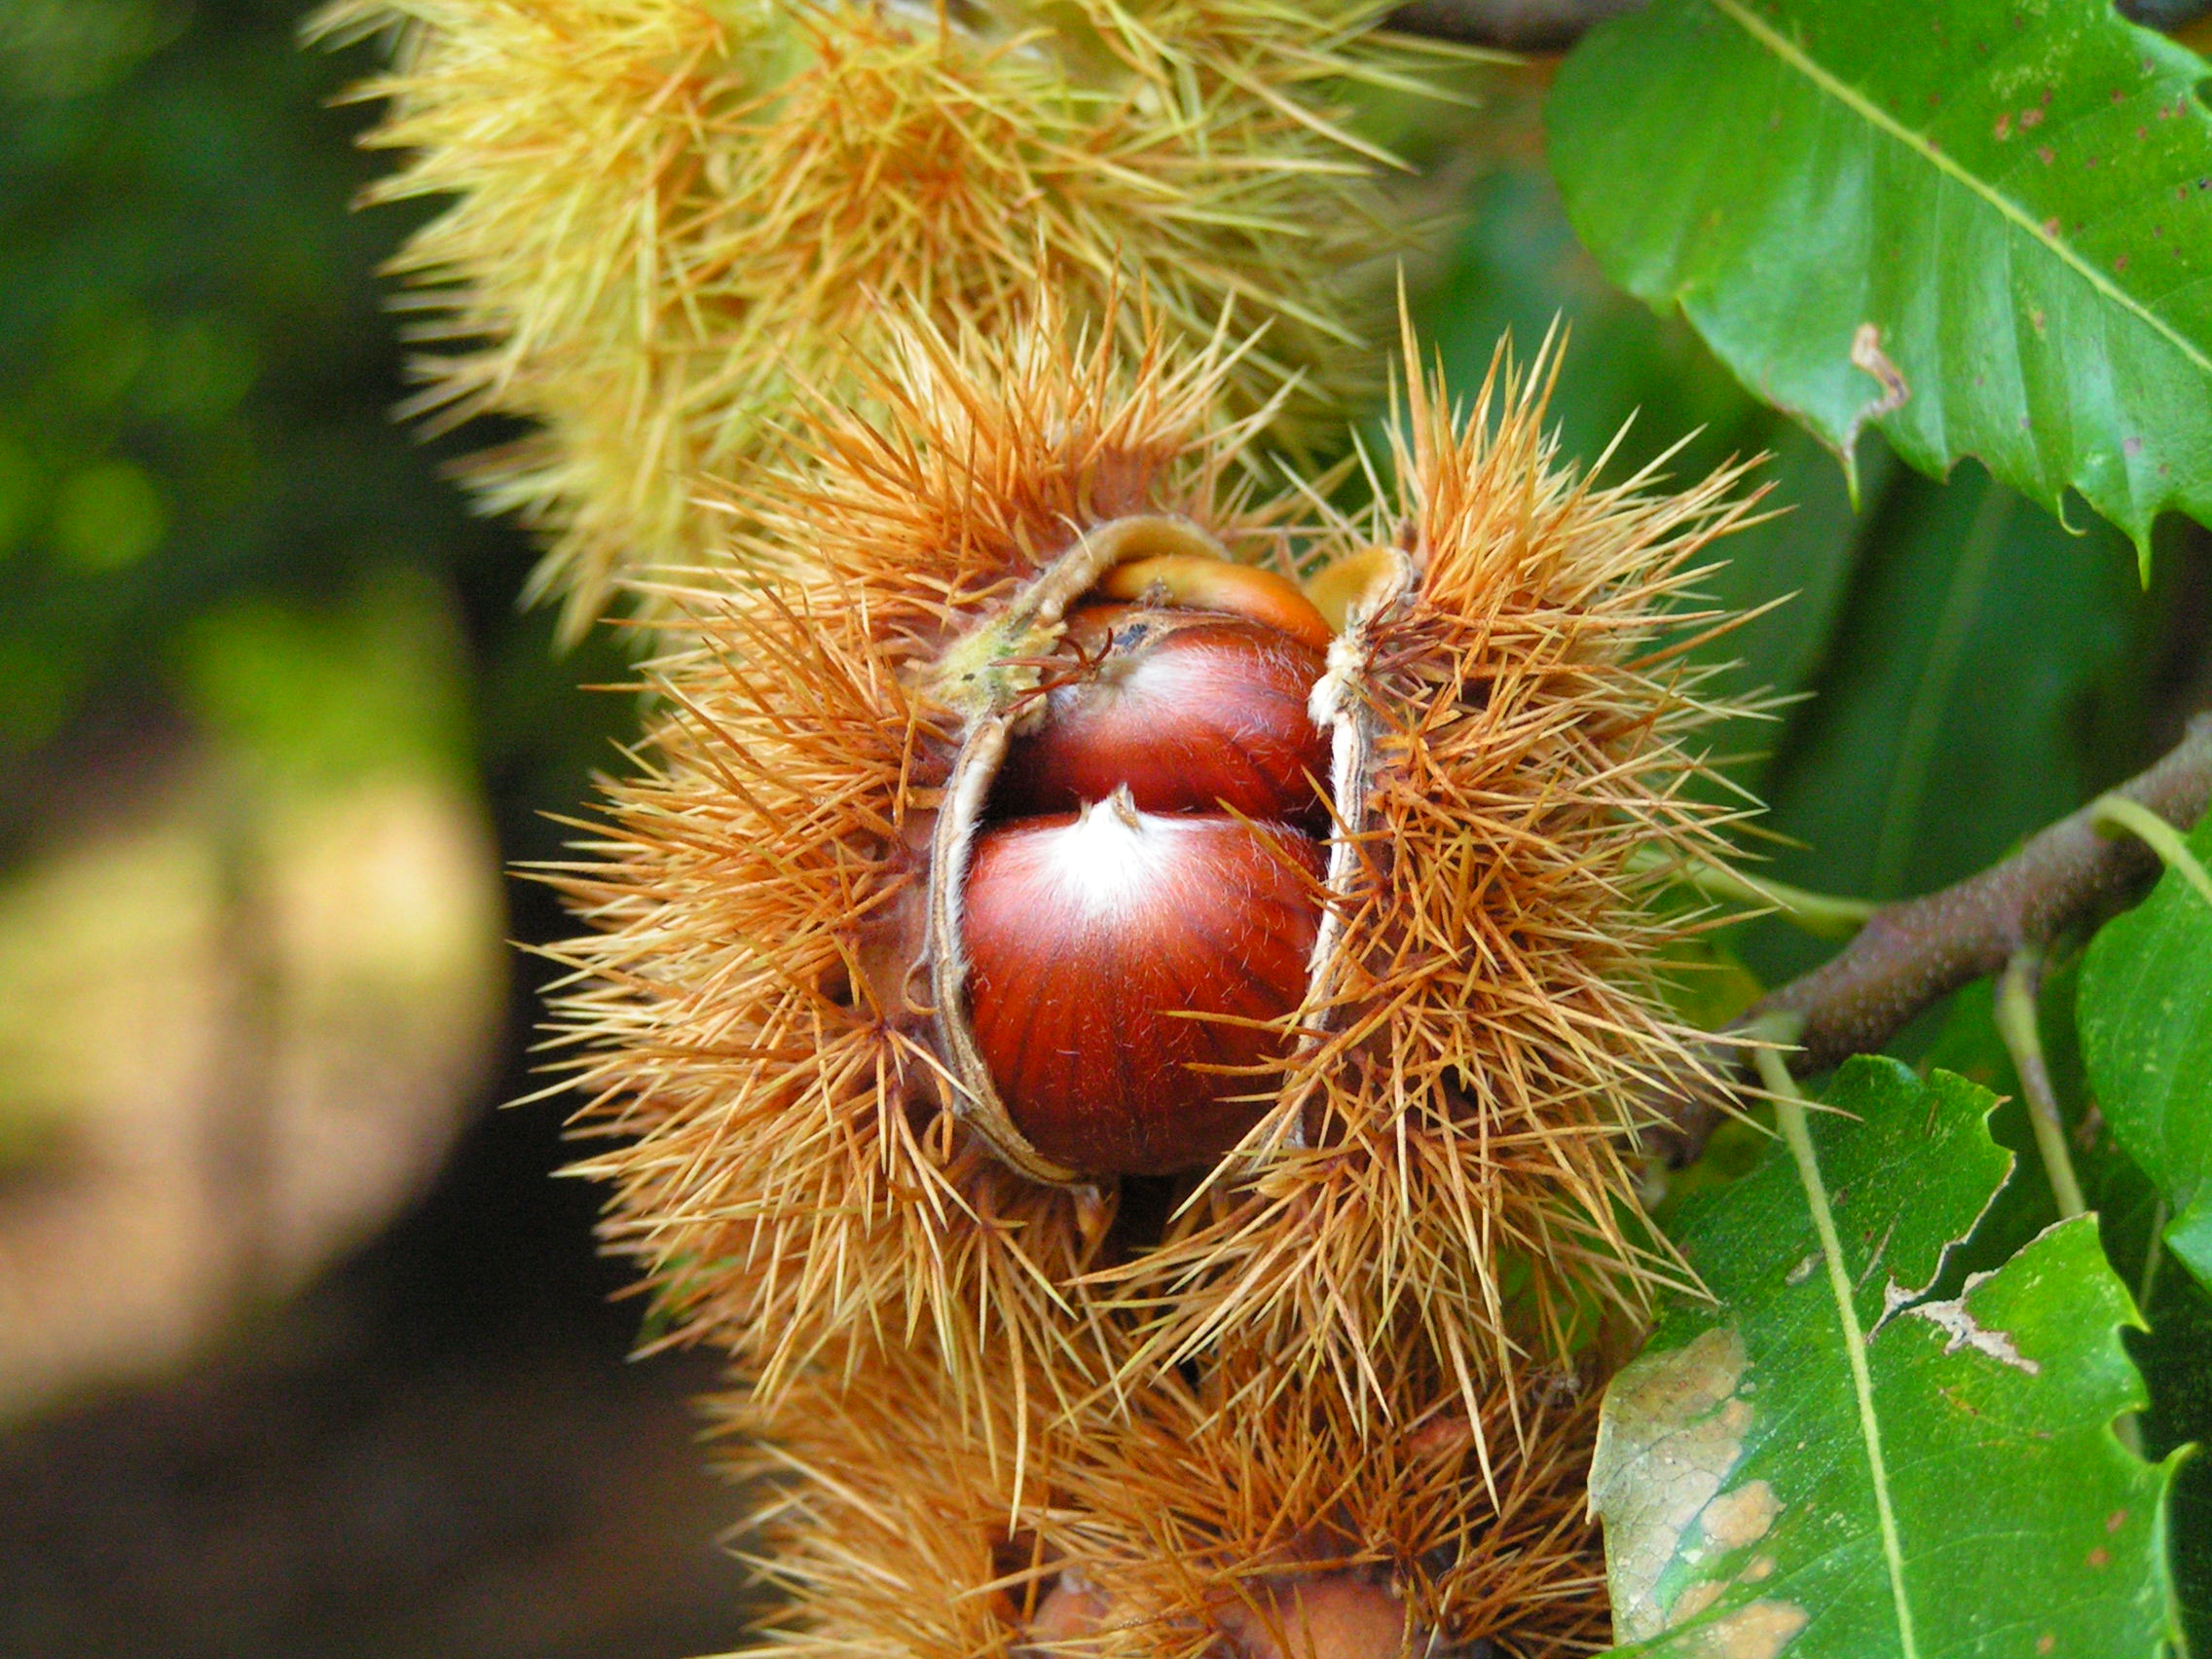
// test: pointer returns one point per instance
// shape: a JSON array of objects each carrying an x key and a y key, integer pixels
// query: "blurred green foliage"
[{"x": 205, "y": 501}]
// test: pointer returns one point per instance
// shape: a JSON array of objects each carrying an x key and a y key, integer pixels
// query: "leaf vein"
[
  {"x": 1790, "y": 1112},
  {"x": 1789, "y": 53}
]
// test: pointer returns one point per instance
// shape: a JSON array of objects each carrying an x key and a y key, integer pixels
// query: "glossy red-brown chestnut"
[
  {"x": 1192, "y": 711},
  {"x": 1092, "y": 937}
]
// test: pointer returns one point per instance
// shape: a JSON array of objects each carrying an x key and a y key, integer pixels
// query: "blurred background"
[{"x": 302, "y": 1350}]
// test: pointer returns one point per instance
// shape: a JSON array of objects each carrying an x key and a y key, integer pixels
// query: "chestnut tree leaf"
[
  {"x": 2175, "y": 1354},
  {"x": 1835, "y": 1457},
  {"x": 2146, "y": 1014},
  {"x": 1983, "y": 226}
]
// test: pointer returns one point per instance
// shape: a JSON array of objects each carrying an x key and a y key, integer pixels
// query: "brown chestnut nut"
[
  {"x": 1094, "y": 937},
  {"x": 1192, "y": 711}
]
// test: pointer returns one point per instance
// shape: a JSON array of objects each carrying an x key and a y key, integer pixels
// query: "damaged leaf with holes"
[{"x": 1845, "y": 1452}]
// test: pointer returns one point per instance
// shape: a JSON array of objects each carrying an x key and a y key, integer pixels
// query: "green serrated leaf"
[
  {"x": 2175, "y": 1354},
  {"x": 1830, "y": 1460},
  {"x": 2146, "y": 1012},
  {"x": 1985, "y": 229},
  {"x": 2176, "y": 1357}
]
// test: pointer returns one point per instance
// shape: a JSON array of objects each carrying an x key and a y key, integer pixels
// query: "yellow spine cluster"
[{"x": 663, "y": 216}]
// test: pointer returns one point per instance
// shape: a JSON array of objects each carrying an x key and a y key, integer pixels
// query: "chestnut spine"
[{"x": 824, "y": 1157}]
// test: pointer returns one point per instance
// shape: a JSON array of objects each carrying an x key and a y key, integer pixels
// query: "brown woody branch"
[{"x": 1910, "y": 955}]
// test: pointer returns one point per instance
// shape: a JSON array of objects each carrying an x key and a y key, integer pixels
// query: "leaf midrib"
[
  {"x": 1790, "y": 1114},
  {"x": 1793, "y": 56}
]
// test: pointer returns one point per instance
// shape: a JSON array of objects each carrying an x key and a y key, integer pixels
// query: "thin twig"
[{"x": 1910, "y": 955}]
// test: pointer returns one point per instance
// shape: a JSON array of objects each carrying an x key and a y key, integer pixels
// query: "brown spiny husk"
[
  {"x": 661, "y": 213},
  {"x": 770, "y": 1016},
  {"x": 1445, "y": 1165},
  {"x": 1244, "y": 1514},
  {"x": 754, "y": 1012}
]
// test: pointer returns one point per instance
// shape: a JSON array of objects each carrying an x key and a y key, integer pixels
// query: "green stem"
[
  {"x": 1820, "y": 914},
  {"x": 2017, "y": 1024},
  {"x": 2117, "y": 814},
  {"x": 2153, "y": 1252}
]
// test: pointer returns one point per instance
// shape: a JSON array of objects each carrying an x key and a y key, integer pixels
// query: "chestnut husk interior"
[{"x": 991, "y": 678}]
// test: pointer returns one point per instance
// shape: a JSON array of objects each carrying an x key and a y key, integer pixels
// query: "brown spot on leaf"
[
  {"x": 1951, "y": 1395},
  {"x": 2046, "y": 1643},
  {"x": 2100, "y": 1557},
  {"x": 1694, "y": 1601},
  {"x": 2030, "y": 118},
  {"x": 1740, "y": 1517},
  {"x": 1961, "y": 1330},
  {"x": 1866, "y": 354},
  {"x": 2116, "y": 1520},
  {"x": 1761, "y": 1631},
  {"x": 2005, "y": 127}
]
